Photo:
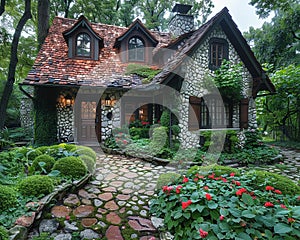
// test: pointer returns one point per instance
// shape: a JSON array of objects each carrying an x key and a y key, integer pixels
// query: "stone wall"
[
  {"x": 181, "y": 24},
  {"x": 65, "y": 123},
  {"x": 197, "y": 83},
  {"x": 26, "y": 114}
]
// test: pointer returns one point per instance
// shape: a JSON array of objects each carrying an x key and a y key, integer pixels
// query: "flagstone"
[
  {"x": 83, "y": 211},
  {"x": 88, "y": 222},
  {"x": 111, "y": 205},
  {"x": 105, "y": 196},
  {"x": 60, "y": 211},
  {"x": 113, "y": 218},
  {"x": 113, "y": 233}
]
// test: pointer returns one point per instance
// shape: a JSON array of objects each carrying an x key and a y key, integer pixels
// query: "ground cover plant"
[
  {"x": 223, "y": 203},
  {"x": 28, "y": 173}
]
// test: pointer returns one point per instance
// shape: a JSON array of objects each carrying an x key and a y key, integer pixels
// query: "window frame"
[
  {"x": 76, "y": 46},
  {"x": 213, "y": 109},
  {"x": 214, "y": 46},
  {"x": 135, "y": 50}
]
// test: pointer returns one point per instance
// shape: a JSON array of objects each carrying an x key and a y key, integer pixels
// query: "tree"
[
  {"x": 278, "y": 42},
  {"x": 13, "y": 62},
  {"x": 154, "y": 11},
  {"x": 264, "y": 7},
  {"x": 43, "y": 20},
  {"x": 282, "y": 110}
]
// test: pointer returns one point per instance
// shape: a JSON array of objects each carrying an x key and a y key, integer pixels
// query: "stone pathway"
[
  {"x": 289, "y": 167},
  {"x": 113, "y": 206}
]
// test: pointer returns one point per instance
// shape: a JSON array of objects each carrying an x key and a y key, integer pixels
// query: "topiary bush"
[
  {"x": 159, "y": 139},
  {"x": 36, "y": 185},
  {"x": 3, "y": 233},
  {"x": 8, "y": 198},
  {"x": 46, "y": 159},
  {"x": 83, "y": 150},
  {"x": 29, "y": 152},
  {"x": 72, "y": 167},
  {"x": 89, "y": 162}
]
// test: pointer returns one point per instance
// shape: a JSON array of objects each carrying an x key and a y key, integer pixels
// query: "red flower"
[
  {"x": 291, "y": 220},
  {"x": 178, "y": 189},
  {"x": 203, "y": 234},
  {"x": 212, "y": 176},
  {"x": 277, "y": 191},
  {"x": 240, "y": 191},
  {"x": 232, "y": 174},
  {"x": 185, "y": 180},
  {"x": 283, "y": 206},
  {"x": 298, "y": 198},
  {"x": 221, "y": 218},
  {"x": 196, "y": 179},
  {"x": 224, "y": 179},
  {"x": 67, "y": 217},
  {"x": 236, "y": 183},
  {"x": 186, "y": 204},
  {"x": 269, "y": 188},
  {"x": 208, "y": 196},
  {"x": 269, "y": 204},
  {"x": 199, "y": 176},
  {"x": 167, "y": 189},
  {"x": 164, "y": 188},
  {"x": 205, "y": 188}
]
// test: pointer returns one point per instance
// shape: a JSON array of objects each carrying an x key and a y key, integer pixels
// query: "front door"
[{"x": 88, "y": 121}]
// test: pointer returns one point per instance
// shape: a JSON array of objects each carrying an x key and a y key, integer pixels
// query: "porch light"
[
  {"x": 108, "y": 102},
  {"x": 68, "y": 100}
]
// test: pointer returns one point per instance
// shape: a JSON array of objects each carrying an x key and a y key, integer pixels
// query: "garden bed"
[{"x": 30, "y": 178}]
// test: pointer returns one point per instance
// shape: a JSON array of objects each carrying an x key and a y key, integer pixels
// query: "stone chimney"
[{"x": 181, "y": 23}]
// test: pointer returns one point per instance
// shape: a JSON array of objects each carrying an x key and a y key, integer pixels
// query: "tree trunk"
[
  {"x": 43, "y": 20},
  {"x": 2, "y": 7},
  {"x": 13, "y": 62}
]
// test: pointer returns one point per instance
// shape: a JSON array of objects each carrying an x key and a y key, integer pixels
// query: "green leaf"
[
  {"x": 248, "y": 214},
  {"x": 247, "y": 199},
  {"x": 224, "y": 212},
  {"x": 177, "y": 215},
  {"x": 268, "y": 234},
  {"x": 212, "y": 205},
  {"x": 195, "y": 196},
  {"x": 243, "y": 236},
  {"x": 54, "y": 173},
  {"x": 282, "y": 228}
]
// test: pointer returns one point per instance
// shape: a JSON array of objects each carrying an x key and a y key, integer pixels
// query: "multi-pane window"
[
  {"x": 209, "y": 112},
  {"x": 136, "y": 49},
  {"x": 83, "y": 45},
  {"x": 218, "y": 51}
]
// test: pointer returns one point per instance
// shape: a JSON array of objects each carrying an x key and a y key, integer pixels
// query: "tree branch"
[{"x": 13, "y": 62}]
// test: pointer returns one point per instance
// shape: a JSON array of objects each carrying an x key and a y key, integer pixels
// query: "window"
[
  {"x": 209, "y": 112},
  {"x": 83, "y": 45},
  {"x": 218, "y": 50},
  {"x": 136, "y": 49}
]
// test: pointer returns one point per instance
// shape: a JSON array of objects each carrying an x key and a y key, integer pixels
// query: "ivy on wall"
[
  {"x": 45, "y": 129},
  {"x": 228, "y": 78}
]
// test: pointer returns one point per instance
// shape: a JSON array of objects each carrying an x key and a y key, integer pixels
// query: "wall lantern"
[
  {"x": 69, "y": 100},
  {"x": 107, "y": 102}
]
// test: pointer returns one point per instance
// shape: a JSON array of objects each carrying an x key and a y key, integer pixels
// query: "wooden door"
[{"x": 89, "y": 121}]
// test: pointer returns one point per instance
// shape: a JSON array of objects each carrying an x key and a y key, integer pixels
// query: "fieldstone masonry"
[
  {"x": 198, "y": 83},
  {"x": 180, "y": 24},
  {"x": 26, "y": 114},
  {"x": 65, "y": 122}
]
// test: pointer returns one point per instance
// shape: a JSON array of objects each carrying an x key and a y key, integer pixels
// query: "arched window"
[
  {"x": 136, "y": 49},
  {"x": 83, "y": 45}
]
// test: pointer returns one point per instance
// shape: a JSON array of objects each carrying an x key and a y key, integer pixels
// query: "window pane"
[
  {"x": 83, "y": 45},
  {"x": 136, "y": 49}
]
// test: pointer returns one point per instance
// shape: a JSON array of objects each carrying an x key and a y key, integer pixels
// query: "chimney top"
[{"x": 181, "y": 8}]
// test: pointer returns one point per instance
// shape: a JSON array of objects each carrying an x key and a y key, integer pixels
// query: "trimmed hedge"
[
  {"x": 72, "y": 167},
  {"x": 83, "y": 150},
  {"x": 48, "y": 160},
  {"x": 8, "y": 198},
  {"x": 36, "y": 185},
  {"x": 167, "y": 178}
]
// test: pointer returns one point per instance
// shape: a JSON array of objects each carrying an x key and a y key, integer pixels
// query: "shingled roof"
[
  {"x": 52, "y": 65},
  {"x": 224, "y": 19}
]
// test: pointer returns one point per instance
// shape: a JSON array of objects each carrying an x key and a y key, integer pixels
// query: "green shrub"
[
  {"x": 175, "y": 130},
  {"x": 138, "y": 133},
  {"x": 166, "y": 178},
  {"x": 165, "y": 118},
  {"x": 159, "y": 139},
  {"x": 29, "y": 152},
  {"x": 190, "y": 155},
  {"x": 89, "y": 162},
  {"x": 44, "y": 158},
  {"x": 72, "y": 167},
  {"x": 8, "y": 198},
  {"x": 286, "y": 185},
  {"x": 3, "y": 233},
  {"x": 43, "y": 149},
  {"x": 217, "y": 169},
  {"x": 226, "y": 207},
  {"x": 36, "y": 185},
  {"x": 83, "y": 150}
]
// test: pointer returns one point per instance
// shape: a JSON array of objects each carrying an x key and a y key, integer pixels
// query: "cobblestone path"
[
  {"x": 289, "y": 167},
  {"x": 113, "y": 206}
]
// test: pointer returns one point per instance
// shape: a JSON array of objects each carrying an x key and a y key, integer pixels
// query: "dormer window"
[
  {"x": 218, "y": 50},
  {"x": 136, "y": 50},
  {"x": 83, "y": 45}
]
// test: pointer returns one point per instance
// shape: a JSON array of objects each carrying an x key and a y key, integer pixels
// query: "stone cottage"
[{"x": 81, "y": 86}]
